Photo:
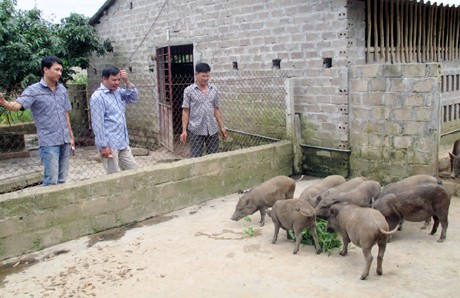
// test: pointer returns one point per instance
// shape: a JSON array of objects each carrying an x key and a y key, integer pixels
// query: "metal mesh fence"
[{"x": 252, "y": 105}]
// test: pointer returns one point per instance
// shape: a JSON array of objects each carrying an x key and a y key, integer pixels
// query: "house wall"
[
  {"x": 326, "y": 100},
  {"x": 39, "y": 217},
  {"x": 252, "y": 33}
]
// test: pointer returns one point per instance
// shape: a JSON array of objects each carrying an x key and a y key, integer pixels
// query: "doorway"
[{"x": 175, "y": 73}]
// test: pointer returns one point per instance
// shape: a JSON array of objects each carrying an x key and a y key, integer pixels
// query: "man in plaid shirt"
[{"x": 201, "y": 115}]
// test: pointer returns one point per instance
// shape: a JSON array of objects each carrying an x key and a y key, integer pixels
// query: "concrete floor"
[{"x": 199, "y": 252}]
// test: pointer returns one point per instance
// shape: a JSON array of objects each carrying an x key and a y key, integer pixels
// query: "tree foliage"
[{"x": 26, "y": 37}]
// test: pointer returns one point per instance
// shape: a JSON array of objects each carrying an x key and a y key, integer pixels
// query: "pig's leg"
[
  {"x": 382, "y": 246},
  {"x": 426, "y": 224},
  {"x": 368, "y": 258},
  {"x": 277, "y": 230},
  {"x": 435, "y": 225},
  {"x": 262, "y": 211},
  {"x": 444, "y": 224},
  {"x": 312, "y": 228},
  {"x": 298, "y": 238},
  {"x": 345, "y": 241}
]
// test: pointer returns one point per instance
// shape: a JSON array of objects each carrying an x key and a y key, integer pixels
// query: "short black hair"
[
  {"x": 110, "y": 70},
  {"x": 202, "y": 67},
  {"x": 49, "y": 61}
]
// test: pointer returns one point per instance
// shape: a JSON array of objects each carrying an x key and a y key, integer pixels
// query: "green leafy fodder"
[
  {"x": 250, "y": 229},
  {"x": 327, "y": 240}
]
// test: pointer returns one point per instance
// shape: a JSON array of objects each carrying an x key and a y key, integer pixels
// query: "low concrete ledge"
[
  {"x": 27, "y": 128},
  {"x": 20, "y": 182},
  {"x": 39, "y": 217}
]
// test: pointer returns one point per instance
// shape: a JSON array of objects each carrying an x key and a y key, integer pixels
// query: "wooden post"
[
  {"x": 382, "y": 41},
  {"x": 392, "y": 37},
  {"x": 369, "y": 30},
  {"x": 398, "y": 34},
  {"x": 376, "y": 33}
]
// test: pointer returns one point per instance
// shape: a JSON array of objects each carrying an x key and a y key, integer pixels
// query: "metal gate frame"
[{"x": 168, "y": 60}]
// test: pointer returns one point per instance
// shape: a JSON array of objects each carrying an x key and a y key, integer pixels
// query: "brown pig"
[
  {"x": 455, "y": 159},
  {"x": 364, "y": 227},
  {"x": 362, "y": 195},
  {"x": 310, "y": 193},
  {"x": 408, "y": 182},
  {"x": 296, "y": 215},
  {"x": 417, "y": 204},
  {"x": 263, "y": 196},
  {"x": 346, "y": 186}
]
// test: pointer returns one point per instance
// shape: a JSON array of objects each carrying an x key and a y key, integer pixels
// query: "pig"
[
  {"x": 408, "y": 182},
  {"x": 364, "y": 227},
  {"x": 346, "y": 186},
  {"x": 310, "y": 193},
  {"x": 362, "y": 195},
  {"x": 417, "y": 204},
  {"x": 296, "y": 215},
  {"x": 263, "y": 196},
  {"x": 455, "y": 159}
]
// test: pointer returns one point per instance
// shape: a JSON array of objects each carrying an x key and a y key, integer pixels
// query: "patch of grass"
[{"x": 327, "y": 240}]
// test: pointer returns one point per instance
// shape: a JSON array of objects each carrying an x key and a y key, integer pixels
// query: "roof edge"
[{"x": 95, "y": 18}]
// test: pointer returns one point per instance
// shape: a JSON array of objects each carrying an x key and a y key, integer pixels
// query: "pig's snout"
[{"x": 235, "y": 217}]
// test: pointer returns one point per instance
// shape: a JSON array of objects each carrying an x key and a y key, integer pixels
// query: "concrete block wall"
[
  {"x": 36, "y": 218},
  {"x": 394, "y": 120},
  {"x": 252, "y": 33}
]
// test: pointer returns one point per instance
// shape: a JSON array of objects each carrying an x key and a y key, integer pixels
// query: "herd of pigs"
[{"x": 359, "y": 209}]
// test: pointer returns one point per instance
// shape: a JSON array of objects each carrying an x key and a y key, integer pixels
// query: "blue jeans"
[{"x": 56, "y": 163}]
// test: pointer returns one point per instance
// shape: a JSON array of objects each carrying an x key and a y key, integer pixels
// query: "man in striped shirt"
[
  {"x": 108, "y": 119},
  {"x": 201, "y": 115}
]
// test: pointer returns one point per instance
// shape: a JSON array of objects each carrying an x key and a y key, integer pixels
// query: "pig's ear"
[
  {"x": 335, "y": 201},
  {"x": 332, "y": 212},
  {"x": 318, "y": 199},
  {"x": 451, "y": 155}
]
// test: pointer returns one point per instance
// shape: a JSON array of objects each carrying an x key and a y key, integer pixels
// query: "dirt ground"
[{"x": 200, "y": 252}]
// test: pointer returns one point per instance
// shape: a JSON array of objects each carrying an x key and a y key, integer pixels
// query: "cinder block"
[
  {"x": 402, "y": 142},
  {"x": 372, "y": 71},
  {"x": 377, "y": 85},
  {"x": 424, "y": 86},
  {"x": 392, "y": 71},
  {"x": 359, "y": 85},
  {"x": 414, "y": 70}
]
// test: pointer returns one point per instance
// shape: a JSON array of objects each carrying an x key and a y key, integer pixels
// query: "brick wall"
[
  {"x": 394, "y": 120},
  {"x": 252, "y": 33},
  {"x": 40, "y": 217}
]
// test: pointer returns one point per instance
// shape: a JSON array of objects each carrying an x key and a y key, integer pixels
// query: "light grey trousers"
[{"x": 122, "y": 160}]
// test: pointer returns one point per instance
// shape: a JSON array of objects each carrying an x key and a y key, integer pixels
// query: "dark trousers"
[{"x": 198, "y": 141}]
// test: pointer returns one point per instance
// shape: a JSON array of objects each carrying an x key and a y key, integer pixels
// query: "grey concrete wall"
[
  {"x": 253, "y": 33},
  {"x": 394, "y": 120},
  {"x": 302, "y": 33},
  {"x": 36, "y": 218}
]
